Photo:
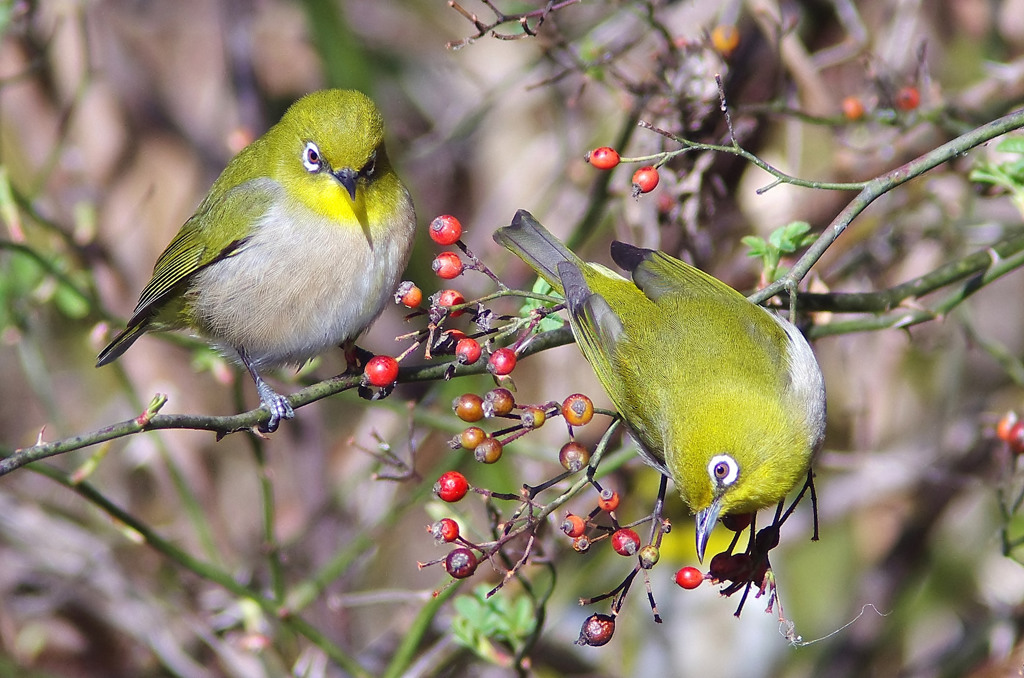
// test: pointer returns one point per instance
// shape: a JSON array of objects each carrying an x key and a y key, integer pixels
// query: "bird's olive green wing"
[
  {"x": 616, "y": 354},
  {"x": 658, "y": 275},
  {"x": 217, "y": 230}
]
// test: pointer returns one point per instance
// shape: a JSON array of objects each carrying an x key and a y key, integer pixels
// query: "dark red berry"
[
  {"x": 445, "y": 230},
  {"x": 460, "y": 563},
  {"x": 1015, "y": 438},
  {"x": 737, "y": 522},
  {"x": 381, "y": 370},
  {"x": 729, "y": 567},
  {"x": 451, "y": 486},
  {"x": 597, "y": 630}
]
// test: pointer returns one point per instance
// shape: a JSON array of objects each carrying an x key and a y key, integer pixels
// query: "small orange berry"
[
  {"x": 609, "y": 500},
  {"x": 725, "y": 38},
  {"x": 853, "y": 108}
]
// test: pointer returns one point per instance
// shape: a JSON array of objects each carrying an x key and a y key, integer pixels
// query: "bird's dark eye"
[
  {"x": 723, "y": 470},
  {"x": 311, "y": 159},
  {"x": 370, "y": 166}
]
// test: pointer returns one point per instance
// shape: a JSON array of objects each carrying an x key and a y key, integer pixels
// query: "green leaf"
[
  {"x": 756, "y": 245},
  {"x": 1013, "y": 144}
]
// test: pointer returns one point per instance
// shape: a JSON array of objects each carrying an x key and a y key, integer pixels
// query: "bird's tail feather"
[{"x": 530, "y": 241}]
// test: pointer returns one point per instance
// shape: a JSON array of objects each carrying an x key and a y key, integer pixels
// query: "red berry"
[
  {"x": 577, "y": 409},
  {"x": 460, "y": 563},
  {"x": 447, "y": 265},
  {"x": 689, "y": 577},
  {"x": 603, "y": 158},
  {"x": 645, "y": 180},
  {"x": 597, "y": 630},
  {"x": 471, "y": 437},
  {"x": 408, "y": 294},
  {"x": 581, "y": 544},
  {"x": 488, "y": 451},
  {"x": 498, "y": 402},
  {"x": 502, "y": 362},
  {"x": 609, "y": 500},
  {"x": 444, "y": 530},
  {"x": 625, "y": 541},
  {"x": 1016, "y": 438},
  {"x": 908, "y": 98},
  {"x": 573, "y": 525},
  {"x": 445, "y": 230},
  {"x": 468, "y": 407},
  {"x": 467, "y": 351},
  {"x": 451, "y": 486},
  {"x": 381, "y": 370},
  {"x": 853, "y": 108},
  {"x": 450, "y": 298},
  {"x": 573, "y": 456}
]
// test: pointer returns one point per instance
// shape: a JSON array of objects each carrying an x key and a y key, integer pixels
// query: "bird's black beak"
[
  {"x": 348, "y": 178},
  {"x": 706, "y": 520}
]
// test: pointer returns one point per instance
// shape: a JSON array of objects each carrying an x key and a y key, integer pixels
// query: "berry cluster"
[
  {"x": 495, "y": 419},
  {"x": 645, "y": 179}
]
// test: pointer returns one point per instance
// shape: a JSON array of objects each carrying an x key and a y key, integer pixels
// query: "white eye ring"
[
  {"x": 723, "y": 470},
  {"x": 311, "y": 158}
]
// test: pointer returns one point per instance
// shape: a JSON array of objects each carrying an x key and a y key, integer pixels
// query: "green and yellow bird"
[
  {"x": 295, "y": 249},
  {"x": 722, "y": 395}
]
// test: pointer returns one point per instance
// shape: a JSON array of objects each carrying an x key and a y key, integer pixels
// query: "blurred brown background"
[{"x": 115, "y": 117}]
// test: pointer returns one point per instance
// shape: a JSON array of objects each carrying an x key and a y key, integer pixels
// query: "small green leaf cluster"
[
  {"x": 1008, "y": 175},
  {"x": 481, "y": 622},
  {"x": 783, "y": 241}
]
